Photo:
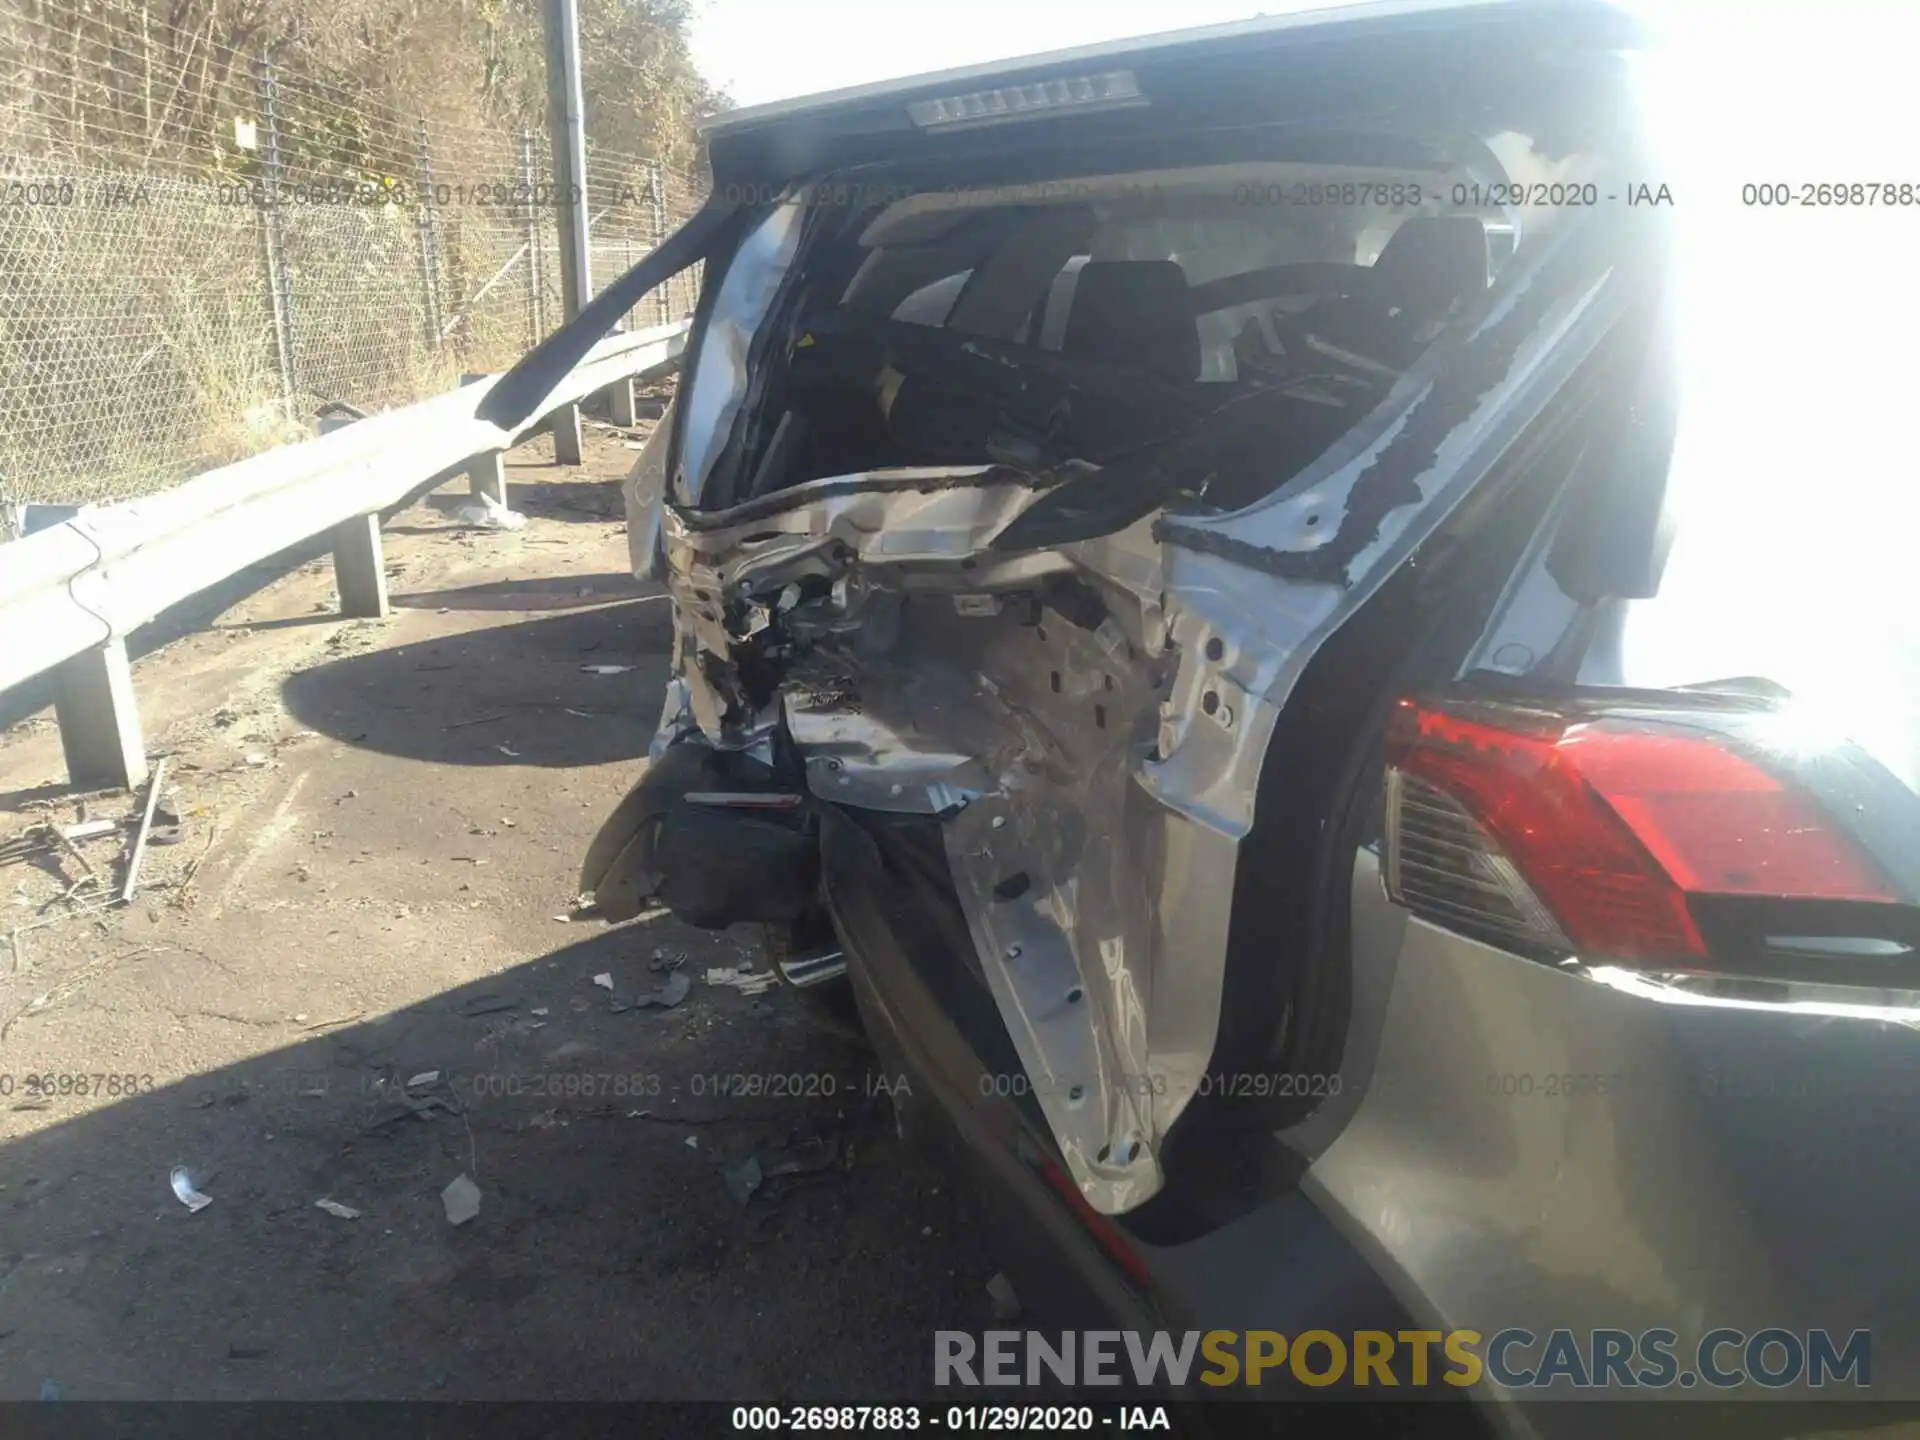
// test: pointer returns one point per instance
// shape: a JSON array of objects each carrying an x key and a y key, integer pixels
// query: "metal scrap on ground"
[{"x": 184, "y": 1191}]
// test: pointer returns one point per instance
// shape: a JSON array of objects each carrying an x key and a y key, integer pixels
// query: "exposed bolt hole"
[
  {"x": 1313, "y": 520},
  {"x": 1100, "y": 716},
  {"x": 1102, "y": 1153},
  {"x": 969, "y": 563},
  {"x": 1077, "y": 1093},
  {"x": 1216, "y": 648},
  {"x": 1013, "y": 952},
  {"x": 1013, "y": 887},
  {"x": 1041, "y": 631},
  {"x": 1053, "y": 678},
  {"x": 1210, "y": 702},
  {"x": 1133, "y": 1149},
  {"x": 1076, "y": 995}
]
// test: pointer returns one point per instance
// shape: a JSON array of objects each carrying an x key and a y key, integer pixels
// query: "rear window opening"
[{"x": 1233, "y": 320}]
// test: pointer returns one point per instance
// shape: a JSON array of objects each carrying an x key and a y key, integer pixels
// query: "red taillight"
[{"x": 1602, "y": 827}]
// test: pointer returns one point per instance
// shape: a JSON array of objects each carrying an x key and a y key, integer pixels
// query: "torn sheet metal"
[{"x": 1090, "y": 723}]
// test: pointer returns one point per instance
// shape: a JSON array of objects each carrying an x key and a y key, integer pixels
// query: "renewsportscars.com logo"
[{"x": 1515, "y": 1359}]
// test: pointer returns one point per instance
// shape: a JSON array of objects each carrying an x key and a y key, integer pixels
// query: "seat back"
[{"x": 1135, "y": 313}]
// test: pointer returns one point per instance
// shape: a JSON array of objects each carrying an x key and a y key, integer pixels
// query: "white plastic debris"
[
  {"x": 604, "y": 980},
  {"x": 183, "y": 1190},
  {"x": 462, "y": 1200},
  {"x": 693, "y": 1142},
  {"x": 541, "y": 1010},
  {"x": 336, "y": 1209},
  {"x": 747, "y": 982},
  {"x": 425, "y": 1077},
  {"x": 605, "y": 669},
  {"x": 488, "y": 513}
]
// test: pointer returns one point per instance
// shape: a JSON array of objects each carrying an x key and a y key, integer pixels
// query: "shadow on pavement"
[
  {"x": 609, "y": 1258},
  {"x": 457, "y": 699}
]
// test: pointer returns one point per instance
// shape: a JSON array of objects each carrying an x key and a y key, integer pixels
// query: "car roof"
[{"x": 1351, "y": 21}]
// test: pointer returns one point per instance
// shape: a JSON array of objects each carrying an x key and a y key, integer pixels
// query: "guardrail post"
[
  {"x": 565, "y": 424},
  {"x": 359, "y": 570},
  {"x": 487, "y": 478},
  {"x": 620, "y": 399},
  {"x": 359, "y": 573},
  {"x": 99, "y": 722}
]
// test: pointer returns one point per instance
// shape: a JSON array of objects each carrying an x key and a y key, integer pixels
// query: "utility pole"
[{"x": 567, "y": 125}]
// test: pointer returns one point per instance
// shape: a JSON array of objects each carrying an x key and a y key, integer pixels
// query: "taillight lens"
[{"x": 1591, "y": 834}]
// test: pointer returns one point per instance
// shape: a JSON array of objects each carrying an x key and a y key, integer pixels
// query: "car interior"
[{"x": 1217, "y": 333}]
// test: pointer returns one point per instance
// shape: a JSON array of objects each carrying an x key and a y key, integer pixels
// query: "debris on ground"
[
  {"x": 49, "y": 1389},
  {"x": 605, "y": 669},
  {"x": 486, "y": 513},
  {"x": 336, "y": 1209},
  {"x": 604, "y": 980},
  {"x": 428, "y": 1077},
  {"x": 88, "y": 829},
  {"x": 667, "y": 996},
  {"x": 461, "y": 1199},
  {"x": 747, "y": 982},
  {"x": 693, "y": 1142},
  {"x": 743, "y": 1179},
  {"x": 1006, "y": 1304},
  {"x": 139, "y": 851},
  {"x": 166, "y": 828},
  {"x": 666, "y": 960},
  {"x": 815, "y": 1155},
  {"x": 491, "y": 1003},
  {"x": 183, "y": 1190}
]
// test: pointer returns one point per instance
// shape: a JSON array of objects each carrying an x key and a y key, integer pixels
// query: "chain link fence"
[{"x": 197, "y": 252}]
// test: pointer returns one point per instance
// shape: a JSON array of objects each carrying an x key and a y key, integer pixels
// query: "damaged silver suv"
[{"x": 1151, "y": 532}]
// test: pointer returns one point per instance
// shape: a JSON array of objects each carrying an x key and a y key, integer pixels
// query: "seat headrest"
[
  {"x": 1432, "y": 261},
  {"x": 1136, "y": 313}
]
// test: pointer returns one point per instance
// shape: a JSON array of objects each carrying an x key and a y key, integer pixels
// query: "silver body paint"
[{"x": 1111, "y": 770}]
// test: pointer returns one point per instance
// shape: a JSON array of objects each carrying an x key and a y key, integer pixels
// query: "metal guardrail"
[{"x": 71, "y": 594}]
